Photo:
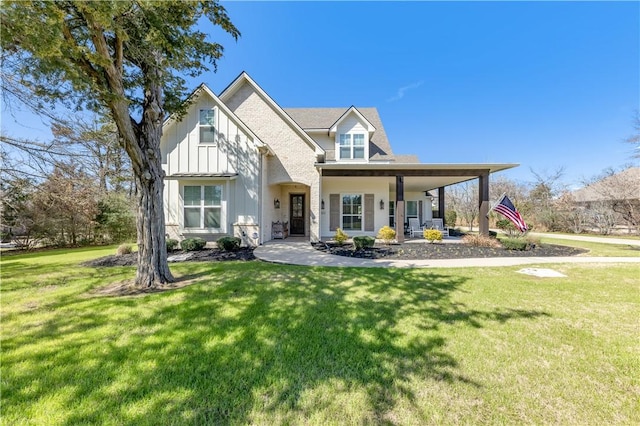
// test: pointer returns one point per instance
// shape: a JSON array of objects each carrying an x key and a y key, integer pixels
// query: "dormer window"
[
  {"x": 352, "y": 146},
  {"x": 207, "y": 126}
]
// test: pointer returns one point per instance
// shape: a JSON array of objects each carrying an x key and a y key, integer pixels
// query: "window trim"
[
  {"x": 417, "y": 215},
  {"x": 202, "y": 208},
  {"x": 352, "y": 146},
  {"x": 361, "y": 214},
  {"x": 203, "y": 126}
]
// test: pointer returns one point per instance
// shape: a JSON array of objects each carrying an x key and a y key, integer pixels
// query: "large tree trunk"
[
  {"x": 153, "y": 269},
  {"x": 142, "y": 144}
]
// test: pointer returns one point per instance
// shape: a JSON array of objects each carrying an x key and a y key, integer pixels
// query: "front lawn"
[
  {"x": 255, "y": 343},
  {"x": 598, "y": 249}
]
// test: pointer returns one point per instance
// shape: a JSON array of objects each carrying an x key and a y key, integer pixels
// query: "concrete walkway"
[{"x": 302, "y": 253}]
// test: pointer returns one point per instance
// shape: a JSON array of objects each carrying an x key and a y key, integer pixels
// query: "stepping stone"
[
  {"x": 541, "y": 272},
  {"x": 182, "y": 257}
]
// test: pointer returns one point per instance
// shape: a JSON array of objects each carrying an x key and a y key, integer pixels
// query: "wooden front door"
[{"x": 297, "y": 214}]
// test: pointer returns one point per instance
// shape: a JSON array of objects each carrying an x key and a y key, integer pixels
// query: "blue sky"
[{"x": 543, "y": 84}]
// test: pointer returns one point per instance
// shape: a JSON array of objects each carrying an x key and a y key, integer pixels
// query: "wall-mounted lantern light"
[
  {"x": 322, "y": 204},
  {"x": 381, "y": 204},
  {"x": 276, "y": 203}
]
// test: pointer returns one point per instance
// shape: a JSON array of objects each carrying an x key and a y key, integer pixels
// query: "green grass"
[
  {"x": 624, "y": 235},
  {"x": 597, "y": 249},
  {"x": 254, "y": 343}
]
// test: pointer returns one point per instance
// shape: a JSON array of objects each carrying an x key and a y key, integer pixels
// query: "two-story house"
[{"x": 237, "y": 163}]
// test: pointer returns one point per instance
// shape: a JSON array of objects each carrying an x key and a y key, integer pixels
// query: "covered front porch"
[{"x": 374, "y": 195}]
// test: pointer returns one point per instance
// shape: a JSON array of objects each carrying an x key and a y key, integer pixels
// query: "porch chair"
[
  {"x": 414, "y": 226},
  {"x": 438, "y": 224}
]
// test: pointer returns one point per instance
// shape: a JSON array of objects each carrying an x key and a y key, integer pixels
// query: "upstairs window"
[
  {"x": 352, "y": 146},
  {"x": 206, "y": 125}
]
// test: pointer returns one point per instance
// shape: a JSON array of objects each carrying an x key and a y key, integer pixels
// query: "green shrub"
[
  {"x": 5, "y": 237},
  {"x": 516, "y": 244},
  {"x": 363, "y": 242},
  {"x": 171, "y": 244},
  {"x": 508, "y": 227},
  {"x": 450, "y": 218},
  {"x": 478, "y": 240},
  {"x": 387, "y": 234},
  {"x": 229, "y": 243},
  {"x": 115, "y": 219},
  {"x": 124, "y": 249},
  {"x": 432, "y": 235},
  {"x": 193, "y": 244},
  {"x": 340, "y": 237}
]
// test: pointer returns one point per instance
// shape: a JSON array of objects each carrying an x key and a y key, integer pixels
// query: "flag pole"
[{"x": 497, "y": 202}]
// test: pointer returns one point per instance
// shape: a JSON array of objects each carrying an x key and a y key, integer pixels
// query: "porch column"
[
  {"x": 400, "y": 209},
  {"x": 441, "y": 205},
  {"x": 483, "y": 202}
]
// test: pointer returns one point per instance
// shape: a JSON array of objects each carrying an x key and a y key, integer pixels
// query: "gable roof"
[
  {"x": 203, "y": 88},
  {"x": 624, "y": 185},
  {"x": 370, "y": 127},
  {"x": 324, "y": 118},
  {"x": 245, "y": 78}
]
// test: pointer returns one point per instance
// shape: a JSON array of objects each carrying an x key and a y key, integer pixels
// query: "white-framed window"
[
  {"x": 352, "y": 212},
  {"x": 203, "y": 206},
  {"x": 206, "y": 126},
  {"x": 352, "y": 146},
  {"x": 412, "y": 210}
]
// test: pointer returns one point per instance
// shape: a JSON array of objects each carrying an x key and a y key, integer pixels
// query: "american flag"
[{"x": 506, "y": 208}]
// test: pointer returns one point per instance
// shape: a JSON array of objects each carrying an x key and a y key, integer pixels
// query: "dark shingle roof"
[{"x": 324, "y": 118}]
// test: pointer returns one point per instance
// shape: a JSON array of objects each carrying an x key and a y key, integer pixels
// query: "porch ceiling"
[{"x": 417, "y": 177}]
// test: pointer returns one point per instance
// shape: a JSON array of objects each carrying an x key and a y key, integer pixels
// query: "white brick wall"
[{"x": 294, "y": 157}]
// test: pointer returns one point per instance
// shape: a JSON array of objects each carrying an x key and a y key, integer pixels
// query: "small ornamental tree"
[
  {"x": 128, "y": 58},
  {"x": 432, "y": 235},
  {"x": 340, "y": 237},
  {"x": 387, "y": 234}
]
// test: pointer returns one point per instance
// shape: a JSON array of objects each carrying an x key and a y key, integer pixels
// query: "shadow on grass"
[{"x": 248, "y": 340}]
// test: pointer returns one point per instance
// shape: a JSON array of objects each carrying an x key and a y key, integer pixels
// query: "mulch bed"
[
  {"x": 395, "y": 251},
  {"x": 416, "y": 251},
  {"x": 206, "y": 255}
]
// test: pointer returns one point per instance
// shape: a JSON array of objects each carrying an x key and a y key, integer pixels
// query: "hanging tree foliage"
[{"x": 129, "y": 58}]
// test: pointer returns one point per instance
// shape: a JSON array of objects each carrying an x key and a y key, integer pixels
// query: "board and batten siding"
[
  {"x": 184, "y": 153},
  {"x": 233, "y": 152}
]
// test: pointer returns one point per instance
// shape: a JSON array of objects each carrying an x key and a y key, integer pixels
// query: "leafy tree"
[
  {"x": 115, "y": 220},
  {"x": 126, "y": 57},
  {"x": 21, "y": 221}
]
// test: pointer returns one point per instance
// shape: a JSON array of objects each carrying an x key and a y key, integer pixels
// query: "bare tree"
[
  {"x": 634, "y": 139},
  {"x": 546, "y": 189},
  {"x": 463, "y": 198},
  {"x": 614, "y": 191}
]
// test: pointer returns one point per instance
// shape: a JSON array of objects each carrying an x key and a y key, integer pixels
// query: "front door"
[{"x": 297, "y": 214}]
